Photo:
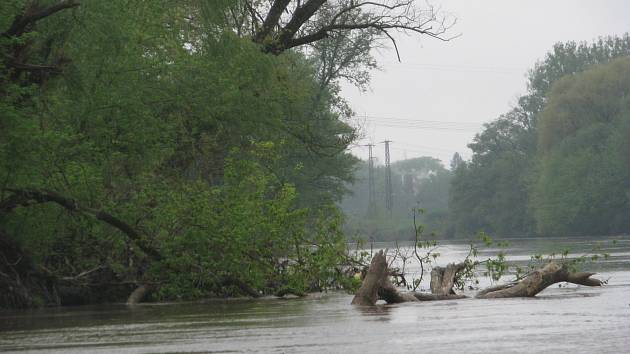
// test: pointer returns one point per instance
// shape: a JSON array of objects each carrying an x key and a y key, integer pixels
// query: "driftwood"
[
  {"x": 538, "y": 280},
  {"x": 377, "y": 286},
  {"x": 376, "y": 275}
]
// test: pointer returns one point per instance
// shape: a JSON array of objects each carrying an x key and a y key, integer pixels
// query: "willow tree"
[{"x": 583, "y": 183}]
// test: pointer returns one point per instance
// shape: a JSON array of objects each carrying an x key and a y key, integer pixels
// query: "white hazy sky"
[{"x": 472, "y": 79}]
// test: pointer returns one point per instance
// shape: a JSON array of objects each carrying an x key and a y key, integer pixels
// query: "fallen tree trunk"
[
  {"x": 436, "y": 297},
  {"x": 538, "y": 280},
  {"x": 377, "y": 286},
  {"x": 391, "y": 295},
  {"x": 29, "y": 197}
]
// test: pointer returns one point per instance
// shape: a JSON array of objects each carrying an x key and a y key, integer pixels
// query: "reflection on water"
[
  {"x": 563, "y": 319},
  {"x": 380, "y": 312}
]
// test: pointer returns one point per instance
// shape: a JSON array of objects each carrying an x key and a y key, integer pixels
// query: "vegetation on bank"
[
  {"x": 194, "y": 148},
  {"x": 181, "y": 132}
]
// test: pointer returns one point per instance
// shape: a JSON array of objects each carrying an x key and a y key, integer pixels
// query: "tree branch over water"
[{"x": 25, "y": 198}]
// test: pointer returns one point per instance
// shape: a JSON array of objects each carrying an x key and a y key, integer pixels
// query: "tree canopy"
[
  {"x": 583, "y": 182},
  {"x": 500, "y": 190},
  {"x": 182, "y": 146}
]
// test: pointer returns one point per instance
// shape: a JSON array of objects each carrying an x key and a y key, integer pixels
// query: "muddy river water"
[{"x": 567, "y": 319}]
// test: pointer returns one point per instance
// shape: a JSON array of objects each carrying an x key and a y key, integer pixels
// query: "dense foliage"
[
  {"x": 554, "y": 163},
  {"x": 150, "y": 143},
  {"x": 583, "y": 179}
]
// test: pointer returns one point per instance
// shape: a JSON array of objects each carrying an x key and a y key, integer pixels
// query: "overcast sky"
[{"x": 435, "y": 100}]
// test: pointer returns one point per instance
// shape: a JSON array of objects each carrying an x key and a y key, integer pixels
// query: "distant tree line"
[
  {"x": 419, "y": 183},
  {"x": 557, "y": 163}
]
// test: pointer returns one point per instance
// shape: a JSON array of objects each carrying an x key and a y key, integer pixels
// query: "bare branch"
[
  {"x": 272, "y": 19},
  {"x": 314, "y": 20},
  {"x": 299, "y": 18},
  {"x": 394, "y": 43}
]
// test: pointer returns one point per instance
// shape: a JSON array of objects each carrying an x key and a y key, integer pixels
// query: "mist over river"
[{"x": 568, "y": 319}]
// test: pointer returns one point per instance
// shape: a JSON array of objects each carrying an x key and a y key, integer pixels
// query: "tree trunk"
[
  {"x": 376, "y": 285},
  {"x": 538, "y": 280},
  {"x": 388, "y": 292},
  {"x": 139, "y": 294},
  {"x": 436, "y": 297},
  {"x": 443, "y": 279},
  {"x": 368, "y": 293}
]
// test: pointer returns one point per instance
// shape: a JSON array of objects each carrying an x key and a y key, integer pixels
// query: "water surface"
[{"x": 563, "y": 319}]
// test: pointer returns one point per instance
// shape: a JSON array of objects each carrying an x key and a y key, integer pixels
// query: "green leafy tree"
[
  {"x": 153, "y": 147},
  {"x": 493, "y": 192},
  {"x": 582, "y": 187}
]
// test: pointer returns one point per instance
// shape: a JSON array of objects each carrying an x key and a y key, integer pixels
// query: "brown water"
[{"x": 567, "y": 319}]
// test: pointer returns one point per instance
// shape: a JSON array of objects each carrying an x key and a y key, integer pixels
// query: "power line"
[
  {"x": 392, "y": 119},
  {"x": 371, "y": 206},
  {"x": 454, "y": 130},
  {"x": 457, "y": 68},
  {"x": 396, "y": 122},
  {"x": 417, "y": 149},
  {"x": 424, "y": 152},
  {"x": 422, "y": 147},
  {"x": 389, "y": 197}
]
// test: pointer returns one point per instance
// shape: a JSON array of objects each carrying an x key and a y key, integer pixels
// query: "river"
[{"x": 572, "y": 319}]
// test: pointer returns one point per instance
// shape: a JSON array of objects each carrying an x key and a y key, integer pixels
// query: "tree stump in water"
[
  {"x": 443, "y": 279},
  {"x": 376, "y": 274},
  {"x": 376, "y": 285}
]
